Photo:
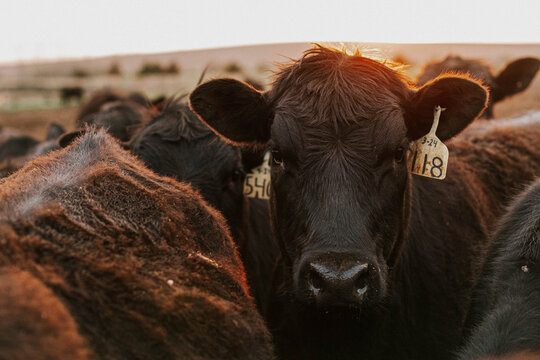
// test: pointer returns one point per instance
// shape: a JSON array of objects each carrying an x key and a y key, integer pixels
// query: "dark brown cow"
[
  {"x": 146, "y": 269},
  {"x": 120, "y": 112},
  {"x": 120, "y": 118},
  {"x": 513, "y": 79},
  {"x": 107, "y": 95},
  {"x": 376, "y": 263}
]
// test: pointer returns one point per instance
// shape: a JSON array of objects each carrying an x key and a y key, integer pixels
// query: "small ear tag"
[
  {"x": 428, "y": 155},
  {"x": 257, "y": 182}
]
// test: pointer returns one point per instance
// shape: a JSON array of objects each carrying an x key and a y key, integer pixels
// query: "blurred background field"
[{"x": 30, "y": 93}]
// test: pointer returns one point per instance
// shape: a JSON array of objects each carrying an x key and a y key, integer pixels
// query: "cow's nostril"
[
  {"x": 316, "y": 282},
  {"x": 361, "y": 283}
]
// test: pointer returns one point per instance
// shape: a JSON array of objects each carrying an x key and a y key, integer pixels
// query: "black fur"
[
  {"x": 505, "y": 316},
  {"x": 341, "y": 194}
]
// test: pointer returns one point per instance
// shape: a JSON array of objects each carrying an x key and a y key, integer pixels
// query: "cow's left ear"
[
  {"x": 515, "y": 78},
  {"x": 464, "y": 100},
  {"x": 236, "y": 111}
]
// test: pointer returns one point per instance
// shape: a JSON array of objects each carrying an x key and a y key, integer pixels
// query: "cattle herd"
[{"x": 131, "y": 237}]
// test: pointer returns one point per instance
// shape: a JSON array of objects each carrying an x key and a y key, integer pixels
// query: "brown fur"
[
  {"x": 34, "y": 323},
  {"x": 144, "y": 266}
]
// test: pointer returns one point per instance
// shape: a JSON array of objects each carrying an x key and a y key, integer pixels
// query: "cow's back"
[{"x": 146, "y": 268}]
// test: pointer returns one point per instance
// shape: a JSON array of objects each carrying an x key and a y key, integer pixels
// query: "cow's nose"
[{"x": 338, "y": 284}]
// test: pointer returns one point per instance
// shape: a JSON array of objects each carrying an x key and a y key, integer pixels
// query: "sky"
[{"x": 49, "y": 29}]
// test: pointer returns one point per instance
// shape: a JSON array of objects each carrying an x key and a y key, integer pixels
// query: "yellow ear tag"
[
  {"x": 257, "y": 182},
  {"x": 428, "y": 155}
]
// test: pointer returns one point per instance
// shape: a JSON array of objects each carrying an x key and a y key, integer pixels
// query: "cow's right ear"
[
  {"x": 234, "y": 110},
  {"x": 515, "y": 78}
]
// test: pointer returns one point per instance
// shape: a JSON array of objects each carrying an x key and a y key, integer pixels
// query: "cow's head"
[
  {"x": 513, "y": 79},
  {"x": 339, "y": 127},
  {"x": 121, "y": 118}
]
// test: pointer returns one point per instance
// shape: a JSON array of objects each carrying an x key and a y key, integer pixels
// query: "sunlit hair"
[
  {"x": 347, "y": 50},
  {"x": 329, "y": 82}
]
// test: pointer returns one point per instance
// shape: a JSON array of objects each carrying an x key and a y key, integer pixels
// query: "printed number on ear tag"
[
  {"x": 257, "y": 182},
  {"x": 428, "y": 155}
]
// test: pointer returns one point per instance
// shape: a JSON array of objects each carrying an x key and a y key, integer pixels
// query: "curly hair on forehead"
[{"x": 339, "y": 86}]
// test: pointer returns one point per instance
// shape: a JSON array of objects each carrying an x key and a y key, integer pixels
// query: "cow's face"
[
  {"x": 178, "y": 145},
  {"x": 338, "y": 204},
  {"x": 339, "y": 128}
]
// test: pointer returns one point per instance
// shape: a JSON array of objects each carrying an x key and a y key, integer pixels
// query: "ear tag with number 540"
[
  {"x": 428, "y": 155},
  {"x": 257, "y": 182}
]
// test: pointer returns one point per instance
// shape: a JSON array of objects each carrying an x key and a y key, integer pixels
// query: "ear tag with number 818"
[
  {"x": 428, "y": 155},
  {"x": 257, "y": 182}
]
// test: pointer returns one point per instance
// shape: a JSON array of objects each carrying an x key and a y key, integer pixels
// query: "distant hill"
[{"x": 256, "y": 56}]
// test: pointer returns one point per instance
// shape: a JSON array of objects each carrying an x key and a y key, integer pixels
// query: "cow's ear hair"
[
  {"x": 515, "y": 78},
  {"x": 463, "y": 98},
  {"x": 234, "y": 110},
  {"x": 252, "y": 156},
  {"x": 68, "y": 138}
]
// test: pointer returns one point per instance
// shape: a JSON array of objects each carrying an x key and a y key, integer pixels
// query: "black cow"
[
  {"x": 376, "y": 263},
  {"x": 513, "y": 79},
  {"x": 178, "y": 145},
  {"x": 107, "y": 95},
  {"x": 16, "y": 146},
  {"x": 71, "y": 92},
  {"x": 145, "y": 268},
  {"x": 505, "y": 315},
  {"x": 121, "y": 118},
  {"x": 17, "y": 149}
]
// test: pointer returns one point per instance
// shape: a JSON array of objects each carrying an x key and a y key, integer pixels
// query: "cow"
[
  {"x": 121, "y": 118},
  {"x": 106, "y": 95},
  {"x": 513, "y": 79},
  {"x": 143, "y": 265},
  {"x": 17, "y": 149},
  {"x": 16, "y": 146},
  {"x": 375, "y": 263},
  {"x": 505, "y": 316},
  {"x": 176, "y": 144},
  {"x": 71, "y": 92}
]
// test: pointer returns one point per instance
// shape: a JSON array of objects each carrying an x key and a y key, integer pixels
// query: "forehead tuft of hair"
[{"x": 339, "y": 84}]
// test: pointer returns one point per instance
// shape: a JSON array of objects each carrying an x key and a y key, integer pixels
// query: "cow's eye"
[
  {"x": 399, "y": 155},
  {"x": 237, "y": 175},
  {"x": 276, "y": 157}
]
